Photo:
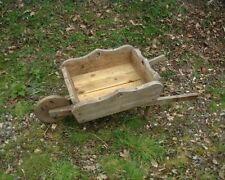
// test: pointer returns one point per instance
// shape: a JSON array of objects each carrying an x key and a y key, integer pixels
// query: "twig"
[
  {"x": 106, "y": 145},
  {"x": 45, "y": 133}
]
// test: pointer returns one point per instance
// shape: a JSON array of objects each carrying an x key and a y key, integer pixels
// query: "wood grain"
[
  {"x": 105, "y": 81},
  {"x": 118, "y": 101},
  {"x": 103, "y": 92}
]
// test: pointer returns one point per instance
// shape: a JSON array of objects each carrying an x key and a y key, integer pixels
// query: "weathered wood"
[
  {"x": 105, "y": 78},
  {"x": 50, "y": 102},
  {"x": 61, "y": 111},
  {"x": 175, "y": 98},
  {"x": 66, "y": 110},
  {"x": 118, "y": 101},
  {"x": 158, "y": 59},
  {"x": 103, "y": 92},
  {"x": 98, "y": 59},
  {"x": 70, "y": 85},
  {"x": 169, "y": 99},
  {"x": 101, "y": 72},
  {"x": 142, "y": 66}
]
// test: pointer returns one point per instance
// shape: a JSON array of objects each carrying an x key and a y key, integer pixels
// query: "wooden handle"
[
  {"x": 176, "y": 98},
  {"x": 157, "y": 59}
]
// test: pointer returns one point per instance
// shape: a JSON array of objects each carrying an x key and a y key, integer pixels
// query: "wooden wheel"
[{"x": 50, "y": 102}]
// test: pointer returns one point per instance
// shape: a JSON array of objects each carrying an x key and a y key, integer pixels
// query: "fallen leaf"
[
  {"x": 154, "y": 163},
  {"x": 215, "y": 161},
  {"x": 101, "y": 177},
  {"x": 221, "y": 174},
  {"x": 37, "y": 150},
  {"x": 54, "y": 126},
  {"x": 204, "y": 70},
  {"x": 32, "y": 13},
  {"x": 70, "y": 28},
  {"x": 82, "y": 26},
  {"x": 125, "y": 154}
]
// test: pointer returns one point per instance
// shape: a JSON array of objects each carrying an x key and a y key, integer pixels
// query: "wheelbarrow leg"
[{"x": 169, "y": 99}]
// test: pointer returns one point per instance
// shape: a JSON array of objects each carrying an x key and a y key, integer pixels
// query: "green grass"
[
  {"x": 78, "y": 136},
  {"x": 206, "y": 175},
  {"x": 4, "y": 176},
  {"x": 118, "y": 168},
  {"x": 218, "y": 103},
  {"x": 65, "y": 170},
  {"x": 29, "y": 65},
  {"x": 167, "y": 74},
  {"x": 22, "y": 108},
  {"x": 41, "y": 166},
  {"x": 35, "y": 166},
  {"x": 142, "y": 148}
]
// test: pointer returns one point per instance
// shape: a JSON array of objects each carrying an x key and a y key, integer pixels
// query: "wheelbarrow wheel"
[{"x": 48, "y": 103}]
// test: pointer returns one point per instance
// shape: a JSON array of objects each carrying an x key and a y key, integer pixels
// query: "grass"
[
  {"x": 40, "y": 165},
  {"x": 118, "y": 168},
  {"x": 142, "y": 147},
  {"x": 35, "y": 166},
  {"x": 141, "y": 151},
  {"x": 35, "y": 40},
  {"x": 5, "y": 176}
]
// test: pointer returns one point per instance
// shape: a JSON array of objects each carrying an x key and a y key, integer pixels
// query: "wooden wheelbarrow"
[{"x": 105, "y": 82}]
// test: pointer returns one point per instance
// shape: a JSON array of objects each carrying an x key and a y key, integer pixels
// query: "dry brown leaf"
[
  {"x": 32, "y": 13},
  {"x": 70, "y": 28},
  {"x": 54, "y": 126},
  {"x": 154, "y": 163},
  {"x": 125, "y": 154},
  {"x": 215, "y": 161}
]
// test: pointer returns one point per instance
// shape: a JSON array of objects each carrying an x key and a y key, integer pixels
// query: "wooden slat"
[
  {"x": 99, "y": 60},
  {"x": 142, "y": 66},
  {"x": 105, "y": 78},
  {"x": 70, "y": 85},
  {"x": 103, "y": 92},
  {"x": 117, "y": 102}
]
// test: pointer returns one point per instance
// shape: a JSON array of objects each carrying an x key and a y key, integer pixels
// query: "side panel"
[{"x": 120, "y": 100}]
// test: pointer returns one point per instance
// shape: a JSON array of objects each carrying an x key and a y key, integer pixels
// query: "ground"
[{"x": 176, "y": 141}]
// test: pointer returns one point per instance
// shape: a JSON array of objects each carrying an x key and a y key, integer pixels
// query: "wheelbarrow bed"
[
  {"x": 109, "y": 81},
  {"x": 105, "y": 81}
]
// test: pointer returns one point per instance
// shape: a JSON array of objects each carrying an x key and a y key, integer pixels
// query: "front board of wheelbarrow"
[{"x": 105, "y": 82}]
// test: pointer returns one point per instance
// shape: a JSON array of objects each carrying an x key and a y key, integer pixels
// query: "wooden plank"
[
  {"x": 142, "y": 66},
  {"x": 70, "y": 85},
  {"x": 105, "y": 78},
  {"x": 103, "y": 92},
  {"x": 98, "y": 59},
  {"x": 118, "y": 101}
]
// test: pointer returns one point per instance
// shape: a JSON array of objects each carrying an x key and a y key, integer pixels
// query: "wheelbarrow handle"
[
  {"x": 157, "y": 59},
  {"x": 176, "y": 98}
]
